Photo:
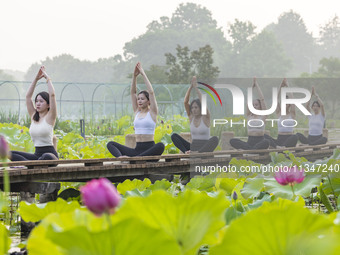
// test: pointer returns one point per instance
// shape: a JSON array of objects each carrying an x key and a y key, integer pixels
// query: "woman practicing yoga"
[
  {"x": 43, "y": 115},
  {"x": 145, "y": 108},
  {"x": 256, "y": 126},
  {"x": 285, "y": 124},
  {"x": 199, "y": 126},
  {"x": 316, "y": 122}
]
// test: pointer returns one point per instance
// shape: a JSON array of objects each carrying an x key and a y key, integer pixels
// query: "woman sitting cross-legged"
[
  {"x": 256, "y": 126},
  {"x": 285, "y": 124},
  {"x": 199, "y": 126},
  {"x": 145, "y": 108},
  {"x": 43, "y": 118},
  {"x": 316, "y": 122}
]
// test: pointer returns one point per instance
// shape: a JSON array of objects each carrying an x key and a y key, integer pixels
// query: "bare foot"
[
  {"x": 123, "y": 156},
  {"x": 187, "y": 152}
]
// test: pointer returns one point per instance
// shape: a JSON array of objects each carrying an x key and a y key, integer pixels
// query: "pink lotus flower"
[
  {"x": 4, "y": 148},
  {"x": 289, "y": 175},
  {"x": 100, "y": 196}
]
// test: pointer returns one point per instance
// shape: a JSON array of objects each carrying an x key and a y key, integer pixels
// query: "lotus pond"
[{"x": 219, "y": 213}]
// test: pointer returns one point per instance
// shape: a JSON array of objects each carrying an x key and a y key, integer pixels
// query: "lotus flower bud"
[{"x": 100, "y": 196}]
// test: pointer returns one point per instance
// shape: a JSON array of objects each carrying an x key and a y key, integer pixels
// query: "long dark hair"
[
  {"x": 145, "y": 93},
  {"x": 46, "y": 97},
  {"x": 316, "y": 102},
  {"x": 197, "y": 101}
]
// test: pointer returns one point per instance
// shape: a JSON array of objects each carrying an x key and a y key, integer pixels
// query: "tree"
[
  {"x": 185, "y": 64},
  {"x": 192, "y": 16},
  {"x": 329, "y": 68},
  {"x": 297, "y": 42},
  {"x": 191, "y": 25},
  {"x": 263, "y": 57},
  {"x": 5, "y": 77},
  {"x": 241, "y": 33},
  {"x": 66, "y": 68},
  {"x": 330, "y": 37},
  {"x": 254, "y": 54}
]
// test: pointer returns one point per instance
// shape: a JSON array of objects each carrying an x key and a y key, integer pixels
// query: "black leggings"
[
  {"x": 142, "y": 149},
  {"x": 196, "y": 145},
  {"x": 41, "y": 153},
  {"x": 253, "y": 143},
  {"x": 312, "y": 139},
  {"x": 282, "y": 140}
]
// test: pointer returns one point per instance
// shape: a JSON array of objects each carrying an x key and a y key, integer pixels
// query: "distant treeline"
[{"x": 189, "y": 42}]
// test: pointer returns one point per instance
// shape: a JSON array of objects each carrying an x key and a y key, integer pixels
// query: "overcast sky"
[{"x": 32, "y": 30}]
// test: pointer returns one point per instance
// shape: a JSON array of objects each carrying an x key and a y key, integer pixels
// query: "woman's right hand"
[
  {"x": 43, "y": 70},
  {"x": 136, "y": 72},
  {"x": 39, "y": 74},
  {"x": 140, "y": 69},
  {"x": 313, "y": 91},
  {"x": 194, "y": 81},
  {"x": 254, "y": 82}
]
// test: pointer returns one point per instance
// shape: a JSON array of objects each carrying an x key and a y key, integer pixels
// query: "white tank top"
[
  {"x": 316, "y": 124},
  {"x": 255, "y": 124},
  {"x": 288, "y": 121},
  {"x": 144, "y": 126},
  {"x": 41, "y": 133},
  {"x": 202, "y": 132}
]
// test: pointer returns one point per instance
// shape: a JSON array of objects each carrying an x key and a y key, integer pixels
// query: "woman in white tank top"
[
  {"x": 145, "y": 108},
  {"x": 199, "y": 126},
  {"x": 256, "y": 126},
  {"x": 316, "y": 122},
  {"x": 43, "y": 115},
  {"x": 286, "y": 136}
]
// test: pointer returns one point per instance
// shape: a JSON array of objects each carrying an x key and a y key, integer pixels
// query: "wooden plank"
[
  {"x": 75, "y": 170},
  {"x": 233, "y": 153}
]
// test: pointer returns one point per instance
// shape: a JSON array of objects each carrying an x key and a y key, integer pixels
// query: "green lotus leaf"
[
  {"x": 303, "y": 189},
  {"x": 281, "y": 227},
  {"x": 252, "y": 187},
  {"x": 163, "y": 184},
  {"x": 5, "y": 241},
  {"x": 192, "y": 219},
  {"x": 36, "y": 212}
]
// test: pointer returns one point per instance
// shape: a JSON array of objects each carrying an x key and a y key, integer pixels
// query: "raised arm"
[
  {"x": 186, "y": 100},
  {"x": 321, "y": 104},
  {"x": 259, "y": 92},
  {"x": 152, "y": 98},
  {"x": 308, "y": 103},
  {"x": 29, "y": 94},
  {"x": 278, "y": 108},
  {"x": 134, "y": 90},
  {"x": 206, "y": 117},
  {"x": 52, "y": 113}
]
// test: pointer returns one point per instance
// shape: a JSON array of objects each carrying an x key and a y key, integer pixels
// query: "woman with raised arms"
[
  {"x": 316, "y": 122},
  {"x": 256, "y": 126},
  {"x": 43, "y": 115},
  {"x": 285, "y": 124},
  {"x": 199, "y": 126},
  {"x": 145, "y": 109}
]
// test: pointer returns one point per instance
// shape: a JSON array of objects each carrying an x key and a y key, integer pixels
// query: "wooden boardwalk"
[{"x": 140, "y": 167}]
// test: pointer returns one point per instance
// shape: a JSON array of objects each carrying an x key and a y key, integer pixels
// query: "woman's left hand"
[
  {"x": 43, "y": 70},
  {"x": 139, "y": 66}
]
